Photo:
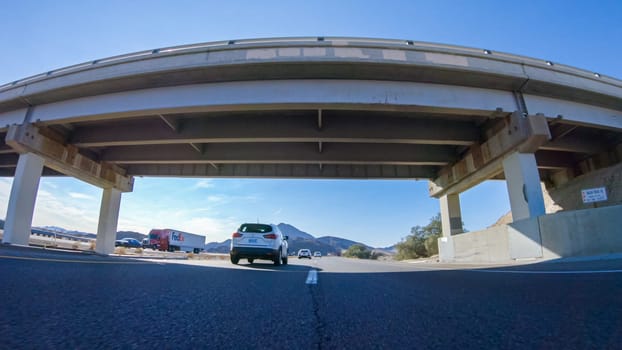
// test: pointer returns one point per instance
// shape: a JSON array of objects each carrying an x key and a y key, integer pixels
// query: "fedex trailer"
[{"x": 175, "y": 240}]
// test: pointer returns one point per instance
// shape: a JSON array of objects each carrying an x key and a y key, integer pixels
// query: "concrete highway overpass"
[{"x": 316, "y": 108}]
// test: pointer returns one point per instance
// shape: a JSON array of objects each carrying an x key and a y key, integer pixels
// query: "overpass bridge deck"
[{"x": 313, "y": 108}]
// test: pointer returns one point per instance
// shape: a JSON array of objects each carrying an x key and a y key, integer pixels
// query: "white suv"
[
  {"x": 304, "y": 253},
  {"x": 259, "y": 241}
]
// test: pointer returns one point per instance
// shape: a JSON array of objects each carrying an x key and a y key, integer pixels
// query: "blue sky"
[{"x": 42, "y": 35}]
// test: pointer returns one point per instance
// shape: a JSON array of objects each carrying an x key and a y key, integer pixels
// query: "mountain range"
[
  {"x": 327, "y": 245},
  {"x": 297, "y": 239}
]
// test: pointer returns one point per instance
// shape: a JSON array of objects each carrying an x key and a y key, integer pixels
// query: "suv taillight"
[
  {"x": 270, "y": 236},
  {"x": 236, "y": 235}
]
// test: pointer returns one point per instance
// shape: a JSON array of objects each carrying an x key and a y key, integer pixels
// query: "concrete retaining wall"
[
  {"x": 564, "y": 234},
  {"x": 524, "y": 239},
  {"x": 582, "y": 232},
  {"x": 479, "y": 246}
]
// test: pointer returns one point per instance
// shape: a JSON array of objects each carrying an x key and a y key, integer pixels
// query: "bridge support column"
[
  {"x": 451, "y": 218},
  {"x": 108, "y": 219},
  {"x": 523, "y": 181},
  {"x": 21, "y": 207}
]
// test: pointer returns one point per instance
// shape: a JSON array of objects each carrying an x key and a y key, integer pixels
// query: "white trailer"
[{"x": 175, "y": 240}]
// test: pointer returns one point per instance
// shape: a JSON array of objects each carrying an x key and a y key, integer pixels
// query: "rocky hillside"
[{"x": 568, "y": 197}]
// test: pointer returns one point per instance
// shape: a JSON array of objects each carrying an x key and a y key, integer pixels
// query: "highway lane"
[
  {"x": 63, "y": 300},
  {"x": 473, "y": 309}
]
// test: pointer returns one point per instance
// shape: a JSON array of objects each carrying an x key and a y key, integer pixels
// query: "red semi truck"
[{"x": 174, "y": 240}]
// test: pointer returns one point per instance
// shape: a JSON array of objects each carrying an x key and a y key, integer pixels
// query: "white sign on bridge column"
[{"x": 592, "y": 195}]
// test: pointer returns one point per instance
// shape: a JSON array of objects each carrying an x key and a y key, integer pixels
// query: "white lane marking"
[
  {"x": 312, "y": 277},
  {"x": 548, "y": 272}
]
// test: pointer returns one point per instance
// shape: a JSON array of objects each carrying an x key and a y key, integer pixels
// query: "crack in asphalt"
[{"x": 319, "y": 325}]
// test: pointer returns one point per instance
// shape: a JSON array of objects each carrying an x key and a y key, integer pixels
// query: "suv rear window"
[{"x": 255, "y": 228}]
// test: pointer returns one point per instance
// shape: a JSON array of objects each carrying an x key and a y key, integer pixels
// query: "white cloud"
[
  {"x": 5, "y": 193},
  {"x": 43, "y": 194},
  {"x": 204, "y": 183},
  {"x": 51, "y": 210},
  {"x": 216, "y": 229},
  {"x": 49, "y": 184},
  {"x": 77, "y": 195},
  {"x": 128, "y": 224},
  {"x": 216, "y": 199},
  {"x": 219, "y": 199}
]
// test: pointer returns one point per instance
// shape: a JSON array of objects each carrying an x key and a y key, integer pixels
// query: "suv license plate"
[{"x": 252, "y": 240}]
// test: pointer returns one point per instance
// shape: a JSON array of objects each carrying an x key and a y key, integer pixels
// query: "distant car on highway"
[
  {"x": 128, "y": 243},
  {"x": 146, "y": 244},
  {"x": 259, "y": 241},
  {"x": 317, "y": 254},
  {"x": 304, "y": 253}
]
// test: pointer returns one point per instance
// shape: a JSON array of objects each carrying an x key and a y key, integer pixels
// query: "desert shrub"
[
  {"x": 422, "y": 241},
  {"x": 358, "y": 251}
]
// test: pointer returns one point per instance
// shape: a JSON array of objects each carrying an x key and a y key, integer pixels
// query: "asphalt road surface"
[{"x": 53, "y": 300}]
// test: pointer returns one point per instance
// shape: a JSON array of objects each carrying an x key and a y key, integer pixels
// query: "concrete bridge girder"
[
  {"x": 66, "y": 159},
  {"x": 17, "y": 227},
  {"x": 38, "y": 149},
  {"x": 275, "y": 95},
  {"x": 510, "y": 150},
  {"x": 574, "y": 112},
  {"x": 484, "y": 161},
  {"x": 275, "y": 127},
  {"x": 281, "y": 58},
  {"x": 21, "y": 206}
]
